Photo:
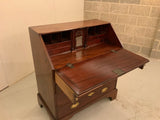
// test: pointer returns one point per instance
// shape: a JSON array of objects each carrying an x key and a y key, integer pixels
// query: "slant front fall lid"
[{"x": 83, "y": 76}]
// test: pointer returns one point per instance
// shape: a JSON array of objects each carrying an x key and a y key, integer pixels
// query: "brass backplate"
[
  {"x": 104, "y": 90},
  {"x": 90, "y": 94},
  {"x": 75, "y": 105}
]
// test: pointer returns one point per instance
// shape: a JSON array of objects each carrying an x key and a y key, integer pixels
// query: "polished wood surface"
[
  {"x": 88, "y": 74},
  {"x": 43, "y": 71},
  {"x": 61, "y": 60},
  {"x": 52, "y": 28},
  {"x": 58, "y": 48},
  {"x": 71, "y": 77},
  {"x": 64, "y": 104}
]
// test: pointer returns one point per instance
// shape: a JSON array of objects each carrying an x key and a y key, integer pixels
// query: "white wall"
[
  {"x": 15, "y": 18},
  {"x": 3, "y": 83},
  {"x": 68, "y": 10}
]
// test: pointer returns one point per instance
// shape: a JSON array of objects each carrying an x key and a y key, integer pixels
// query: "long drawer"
[
  {"x": 90, "y": 94},
  {"x": 66, "y": 106}
]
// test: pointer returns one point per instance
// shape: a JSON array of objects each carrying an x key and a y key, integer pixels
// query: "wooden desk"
[{"x": 77, "y": 64}]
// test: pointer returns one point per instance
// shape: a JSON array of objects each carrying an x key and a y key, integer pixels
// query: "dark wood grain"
[
  {"x": 86, "y": 75},
  {"x": 52, "y": 28},
  {"x": 43, "y": 71},
  {"x": 70, "y": 78},
  {"x": 111, "y": 36},
  {"x": 59, "y": 50},
  {"x": 63, "y": 106},
  {"x": 58, "y": 45},
  {"x": 61, "y": 60}
]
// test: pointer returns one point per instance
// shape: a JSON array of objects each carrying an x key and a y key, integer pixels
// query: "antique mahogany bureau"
[{"x": 77, "y": 64}]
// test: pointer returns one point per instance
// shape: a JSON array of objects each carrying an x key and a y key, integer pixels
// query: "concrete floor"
[{"x": 138, "y": 99}]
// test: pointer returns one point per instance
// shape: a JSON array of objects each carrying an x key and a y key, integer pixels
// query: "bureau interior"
[
  {"x": 70, "y": 40},
  {"x": 57, "y": 42}
]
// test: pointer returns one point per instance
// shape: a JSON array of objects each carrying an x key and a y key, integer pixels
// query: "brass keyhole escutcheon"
[
  {"x": 90, "y": 94},
  {"x": 75, "y": 105},
  {"x": 104, "y": 90}
]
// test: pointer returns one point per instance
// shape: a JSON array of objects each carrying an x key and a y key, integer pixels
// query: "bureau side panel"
[
  {"x": 43, "y": 71},
  {"x": 111, "y": 36}
]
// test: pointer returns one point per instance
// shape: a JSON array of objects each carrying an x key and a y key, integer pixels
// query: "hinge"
[
  {"x": 114, "y": 51},
  {"x": 118, "y": 71},
  {"x": 70, "y": 65}
]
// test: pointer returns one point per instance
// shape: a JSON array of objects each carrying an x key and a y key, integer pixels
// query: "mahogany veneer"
[{"x": 77, "y": 64}]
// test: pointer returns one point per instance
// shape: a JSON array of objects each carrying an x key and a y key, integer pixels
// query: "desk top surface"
[
  {"x": 91, "y": 73},
  {"x": 51, "y": 28}
]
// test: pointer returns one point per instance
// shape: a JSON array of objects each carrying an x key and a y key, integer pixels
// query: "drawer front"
[
  {"x": 95, "y": 39},
  {"x": 102, "y": 90},
  {"x": 96, "y": 91},
  {"x": 65, "y": 106},
  {"x": 65, "y": 88}
]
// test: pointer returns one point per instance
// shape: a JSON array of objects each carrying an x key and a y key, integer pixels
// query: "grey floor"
[{"x": 138, "y": 99}]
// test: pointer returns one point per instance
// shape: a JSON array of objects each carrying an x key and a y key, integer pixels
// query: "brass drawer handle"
[
  {"x": 76, "y": 99},
  {"x": 104, "y": 90},
  {"x": 75, "y": 105},
  {"x": 90, "y": 94}
]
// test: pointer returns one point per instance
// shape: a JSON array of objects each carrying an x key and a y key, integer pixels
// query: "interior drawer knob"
[
  {"x": 91, "y": 94},
  {"x": 75, "y": 105},
  {"x": 104, "y": 90}
]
